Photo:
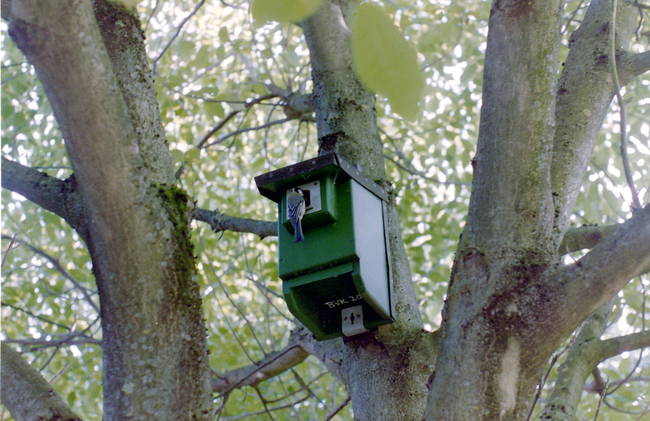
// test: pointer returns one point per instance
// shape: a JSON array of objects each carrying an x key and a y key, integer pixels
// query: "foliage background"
[{"x": 220, "y": 59}]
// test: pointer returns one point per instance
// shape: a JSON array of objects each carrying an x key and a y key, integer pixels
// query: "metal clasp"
[{"x": 352, "y": 321}]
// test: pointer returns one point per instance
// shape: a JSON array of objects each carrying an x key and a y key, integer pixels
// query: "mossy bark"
[{"x": 93, "y": 67}]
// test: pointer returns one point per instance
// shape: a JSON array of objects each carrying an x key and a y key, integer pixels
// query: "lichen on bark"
[{"x": 176, "y": 204}]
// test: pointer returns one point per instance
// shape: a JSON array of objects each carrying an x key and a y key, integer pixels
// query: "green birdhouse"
[{"x": 338, "y": 280}]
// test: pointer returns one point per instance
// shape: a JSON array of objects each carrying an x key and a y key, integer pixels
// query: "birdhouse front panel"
[{"x": 328, "y": 241}]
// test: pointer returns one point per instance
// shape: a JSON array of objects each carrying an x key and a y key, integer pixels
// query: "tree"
[{"x": 513, "y": 300}]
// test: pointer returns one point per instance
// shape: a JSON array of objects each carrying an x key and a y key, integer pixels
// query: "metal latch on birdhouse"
[{"x": 352, "y": 321}]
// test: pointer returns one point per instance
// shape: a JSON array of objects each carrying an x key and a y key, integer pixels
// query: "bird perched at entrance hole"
[{"x": 295, "y": 211}]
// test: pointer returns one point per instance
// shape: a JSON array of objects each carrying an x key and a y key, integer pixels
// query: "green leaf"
[
  {"x": 283, "y": 10},
  {"x": 223, "y": 34},
  {"x": 385, "y": 61},
  {"x": 214, "y": 109}
]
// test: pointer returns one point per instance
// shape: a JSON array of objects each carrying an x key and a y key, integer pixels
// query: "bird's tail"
[{"x": 297, "y": 230}]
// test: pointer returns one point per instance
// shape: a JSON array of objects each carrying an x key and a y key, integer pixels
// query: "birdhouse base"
[{"x": 321, "y": 300}]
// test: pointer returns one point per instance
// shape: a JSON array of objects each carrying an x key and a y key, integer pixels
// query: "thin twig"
[
  {"x": 295, "y": 392},
  {"x": 636, "y": 204},
  {"x": 264, "y": 403},
  {"x": 599, "y": 384},
  {"x": 50, "y": 358},
  {"x": 36, "y": 316},
  {"x": 221, "y": 407},
  {"x": 277, "y": 408},
  {"x": 9, "y": 248},
  {"x": 642, "y": 414},
  {"x": 234, "y": 6},
  {"x": 337, "y": 409},
  {"x": 638, "y": 361},
  {"x": 241, "y": 313},
  {"x": 265, "y": 138},
  {"x": 304, "y": 385},
  {"x": 540, "y": 387},
  {"x": 153, "y": 12},
  {"x": 232, "y": 329},
  {"x": 59, "y": 267},
  {"x": 572, "y": 17},
  {"x": 621, "y": 410},
  {"x": 178, "y": 31},
  {"x": 229, "y": 117},
  {"x": 248, "y": 129},
  {"x": 639, "y": 26},
  {"x": 71, "y": 339},
  {"x": 409, "y": 168},
  {"x": 7, "y": 66},
  {"x": 638, "y": 4}
]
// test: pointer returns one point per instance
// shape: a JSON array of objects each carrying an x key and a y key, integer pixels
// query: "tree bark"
[
  {"x": 345, "y": 109},
  {"x": 587, "y": 351},
  {"x": 61, "y": 197},
  {"x": 100, "y": 87},
  {"x": 584, "y": 93},
  {"x": 507, "y": 242},
  {"x": 27, "y": 395}
]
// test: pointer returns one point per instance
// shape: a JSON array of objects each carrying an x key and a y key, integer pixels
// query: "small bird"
[{"x": 296, "y": 210}]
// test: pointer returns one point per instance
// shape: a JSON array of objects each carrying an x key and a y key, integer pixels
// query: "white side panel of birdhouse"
[{"x": 370, "y": 246}]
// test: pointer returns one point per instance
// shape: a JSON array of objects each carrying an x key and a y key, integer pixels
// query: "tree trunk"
[
  {"x": 100, "y": 87},
  {"x": 485, "y": 363}
]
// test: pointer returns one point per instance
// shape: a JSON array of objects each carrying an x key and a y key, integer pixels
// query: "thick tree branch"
[
  {"x": 222, "y": 222},
  {"x": 598, "y": 386},
  {"x": 27, "y": 395},
  {"x": 134, "y": 78},
  {"x": 601, "y": 273},
  {"x": 345, "y": 113},
  {"x": 58, "y": 196},
  {"x": 611, "y": 347},
  {"x": 584, "y": 356},
  {"x": 346, "y": 124},
  {"x": 330, "y": 353},
  {"x": 584, "y": 94},
  {"x": 509, "y": 232},
  {"x": 585, "y": 237},
  {"x": 633, "y": 65},
  {"x": 511, "y": 192},
  {"x": 274, "y": 364},
  {"x": 581, "y": 360}
]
